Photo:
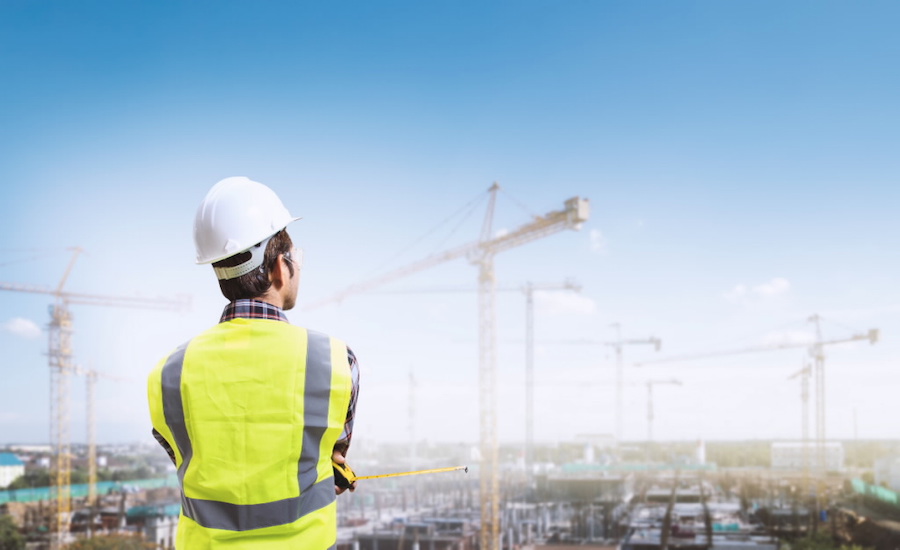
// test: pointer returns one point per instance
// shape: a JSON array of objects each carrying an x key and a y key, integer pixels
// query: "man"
[{"x": 253, "y": 410}]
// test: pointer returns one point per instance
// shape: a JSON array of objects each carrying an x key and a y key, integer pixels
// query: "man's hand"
[{"x": 339, "y": 458}]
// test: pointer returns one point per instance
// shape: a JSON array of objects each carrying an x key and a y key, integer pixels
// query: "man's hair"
[{"x": 256, "y": 283}]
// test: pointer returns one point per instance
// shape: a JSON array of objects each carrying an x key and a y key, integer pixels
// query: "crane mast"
[
  {"x": 59, "y": 353},
  {"x": 90, "y": 377},
  {"x": 618, "y": 345},
  {"x": 650, "y": 384},
  {"x": 804, "y": 419},
  {"x": 529, "y": 289},
  {"x": 620, "y": 375},
  {"x": 481, "y": 254},
  {"x": 818, "y": 356}
]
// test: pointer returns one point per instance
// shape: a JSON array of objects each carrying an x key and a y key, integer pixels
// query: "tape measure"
[{"x": 344, "y": 476}]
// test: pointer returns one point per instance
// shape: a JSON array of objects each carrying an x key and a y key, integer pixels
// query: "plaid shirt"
[{"x": 255, "y": 309}]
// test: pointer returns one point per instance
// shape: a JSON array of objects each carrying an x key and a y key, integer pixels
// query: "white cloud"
[
  {"x": 502, "y": 232},
  {"x": 22, "y": 328},
  {"x": 599, "y": 243},
  {"x": 565, "y": 303},
  {"x": 778, "y": 285},
  {"x": 744, "y": 294}
]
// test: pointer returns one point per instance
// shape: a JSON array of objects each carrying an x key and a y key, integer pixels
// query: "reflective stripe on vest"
[{"x": 243, "y": 517}]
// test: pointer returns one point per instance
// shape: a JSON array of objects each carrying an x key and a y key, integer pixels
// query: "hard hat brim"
[{"x": 219, "y": 258}]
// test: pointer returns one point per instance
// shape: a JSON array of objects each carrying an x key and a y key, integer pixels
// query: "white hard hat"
[{"x": 237, "y": 214}]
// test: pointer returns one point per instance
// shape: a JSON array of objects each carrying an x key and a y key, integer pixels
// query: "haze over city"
[{"x": 740, "y": 161}]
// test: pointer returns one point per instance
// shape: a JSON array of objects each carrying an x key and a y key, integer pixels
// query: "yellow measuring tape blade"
[{"x": 433, "y": 471}]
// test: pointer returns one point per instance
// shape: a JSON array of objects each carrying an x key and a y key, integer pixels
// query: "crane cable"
[{"x": 470, "y": 206}]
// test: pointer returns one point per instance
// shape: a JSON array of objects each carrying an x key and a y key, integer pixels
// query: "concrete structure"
[
  {"x": 790, "y": 455},
  {"x": 10, "y": 469},
  {"x": 583, "y": 488},
  {"x": 725, "y": 527},
  {"x": 887, "y": 473},
  {"x": 161, "y": 531},
  {"x": 31, "y": 448},
  {"x": 424, "y": 534},
  {"x": 158, "y": 523}
]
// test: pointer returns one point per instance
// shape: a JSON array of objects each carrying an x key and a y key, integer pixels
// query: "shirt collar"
[{"x": 252, "y": 309}]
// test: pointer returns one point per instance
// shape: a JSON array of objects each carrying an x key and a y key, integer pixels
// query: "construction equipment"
[
  {"x": 617, "y": 345},
  {"x": 481, "y": 253},
  {"x": 344, "y": 476},
  {"x": 816, "y": 351},
  {"x": 804, "y": 413},
  {"x": 529, "y": 369},
  {"x": 61, "y": 368},
  {"x": 90, "y": 378},
  {"x": 650, "y": 384}
]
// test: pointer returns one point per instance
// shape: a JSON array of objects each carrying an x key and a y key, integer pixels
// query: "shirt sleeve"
[
  {"x": 165, "y": 444},
  {"x": 343, "y": 442}
]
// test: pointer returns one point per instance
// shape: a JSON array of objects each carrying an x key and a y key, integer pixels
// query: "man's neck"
[{"x": 272, "y": 298}]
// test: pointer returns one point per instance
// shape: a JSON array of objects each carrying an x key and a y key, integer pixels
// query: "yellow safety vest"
[{"x": 252, "y": 409}]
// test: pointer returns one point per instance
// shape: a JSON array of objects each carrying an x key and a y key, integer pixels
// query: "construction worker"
[{"x": 253, "y": 410}]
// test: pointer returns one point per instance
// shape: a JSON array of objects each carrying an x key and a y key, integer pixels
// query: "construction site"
[
  {"x": 587, "y": 504},
  {"x": 602, "y": 490}
]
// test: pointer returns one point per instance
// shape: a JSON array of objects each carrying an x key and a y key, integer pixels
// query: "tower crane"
[
  {"x": 617, "y": 345},
  {"x": 90, "y": 378},
  {"x": 481, "y": 253},
  {"x": 647, "y": 383},
  {"x": 816, "y": 351},
  {"x": 650, "y": 384},
  {"x": 59, "y": 353},
  {"x": 529, "y": 369},
  {"x": 804, "y": 374},
  {"x": 528, "y": 289}
]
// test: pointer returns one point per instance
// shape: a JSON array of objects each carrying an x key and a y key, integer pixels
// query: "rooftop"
[{"x": 9, "y": 459}]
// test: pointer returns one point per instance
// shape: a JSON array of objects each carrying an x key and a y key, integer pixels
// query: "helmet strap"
[{"x": 257, "y": 257}]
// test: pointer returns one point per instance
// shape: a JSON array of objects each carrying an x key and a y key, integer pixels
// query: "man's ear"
[{"x": 277, "y": 273}]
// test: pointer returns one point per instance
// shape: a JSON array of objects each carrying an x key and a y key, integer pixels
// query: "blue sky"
[{"x": 740, "y": 159}]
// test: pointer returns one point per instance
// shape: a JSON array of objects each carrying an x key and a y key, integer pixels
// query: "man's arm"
[
  {"x": 161, "y": 431},
  {"x": 165, "y": 444},
  {"x": 343, "y": 442}
]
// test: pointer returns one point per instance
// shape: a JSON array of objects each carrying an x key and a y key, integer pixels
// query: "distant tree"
[
  {"x": 730, "y": 454},
  {"x": 33, "y": 478},
  {"x": 814, "y": 541},
  {"x": 111, "y": 542},
  {"x": 821, "y": 541},
  {"x": 10, "y": 538},
  {"x": 863, "y": 454},
  {"x": 140, "y": 472},
  {"x": 79, "y": 476}
]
